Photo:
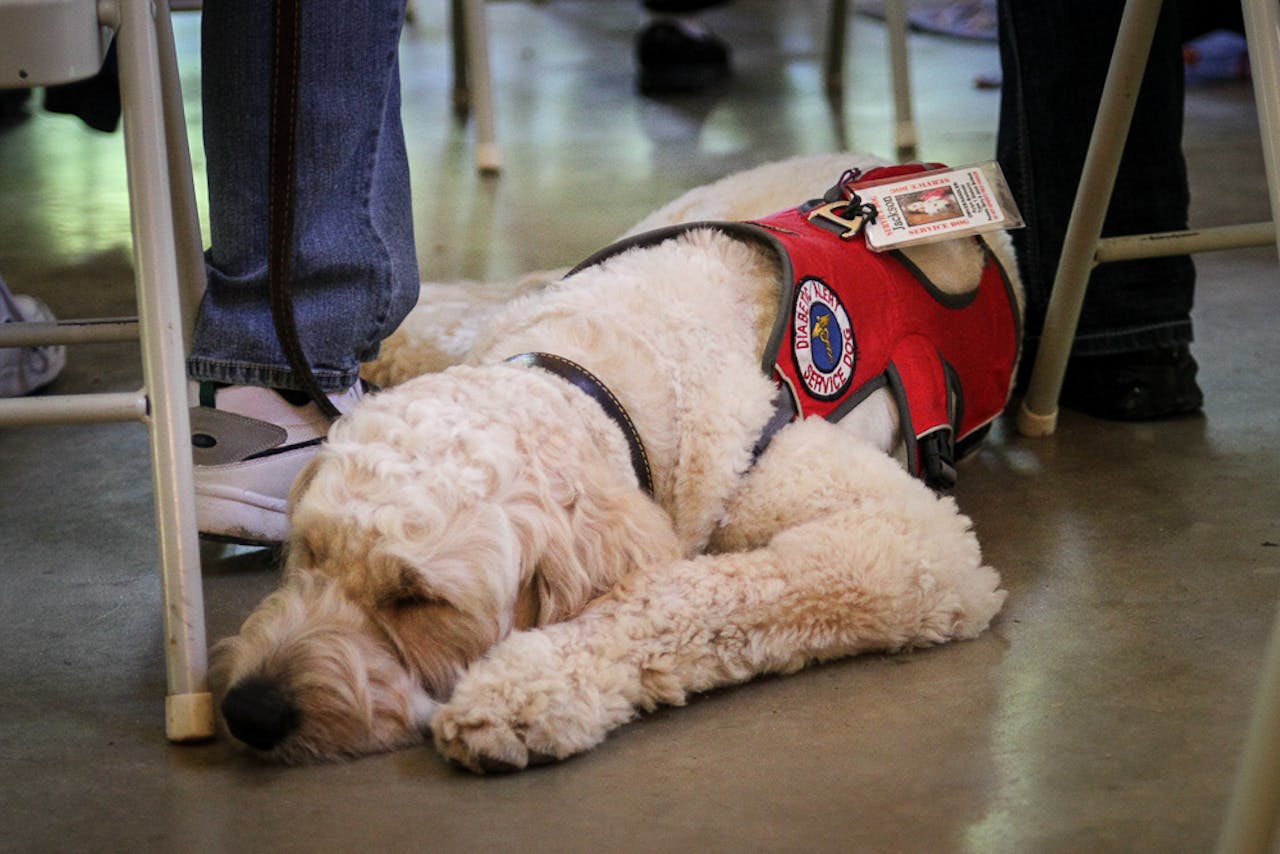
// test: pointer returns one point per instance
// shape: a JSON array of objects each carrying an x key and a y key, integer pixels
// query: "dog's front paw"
[
  {"x": 484, "y": 744},
  {"x": 527, "y": 703}
]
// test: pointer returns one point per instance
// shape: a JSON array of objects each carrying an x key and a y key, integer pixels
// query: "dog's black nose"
[{"x": 259, "y": 714}]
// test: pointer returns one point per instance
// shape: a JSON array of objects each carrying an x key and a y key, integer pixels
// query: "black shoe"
[
  {"x": 674, "y": 59},
  {"x": 1134, "y": 386}
]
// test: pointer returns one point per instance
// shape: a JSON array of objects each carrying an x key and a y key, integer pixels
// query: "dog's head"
[
  {"x": 439, "y": 517},
  {"x": 312, "y": 676}
]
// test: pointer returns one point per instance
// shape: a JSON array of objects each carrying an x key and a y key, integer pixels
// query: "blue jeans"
[
  {"x": 355, "y": 271},
  {"x": 1054, "y": 55}
]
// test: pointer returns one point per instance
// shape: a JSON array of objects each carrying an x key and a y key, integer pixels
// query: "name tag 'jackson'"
[{"x": 942, "y": 204}]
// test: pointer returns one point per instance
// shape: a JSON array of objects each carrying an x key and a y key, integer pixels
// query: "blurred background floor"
[{"x": 1104, "y": 711}]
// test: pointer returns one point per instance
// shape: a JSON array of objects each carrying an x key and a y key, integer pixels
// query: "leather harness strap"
[
  {"x": 590, "y": 384},
  {"x": 282, "y": 178}
]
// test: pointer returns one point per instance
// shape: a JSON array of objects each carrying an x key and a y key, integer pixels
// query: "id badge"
[{"x": 941, "y": 204}]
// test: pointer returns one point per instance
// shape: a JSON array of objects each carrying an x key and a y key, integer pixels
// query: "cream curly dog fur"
[{"x": 472, "y": 556}]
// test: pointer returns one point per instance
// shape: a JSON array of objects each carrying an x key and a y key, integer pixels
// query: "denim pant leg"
[
  {"x": 355, "y": 272},
  {"x": 1054, "y": 55}
]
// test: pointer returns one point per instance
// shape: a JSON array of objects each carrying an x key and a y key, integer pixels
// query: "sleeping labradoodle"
[{"x": 718, "y": 452}]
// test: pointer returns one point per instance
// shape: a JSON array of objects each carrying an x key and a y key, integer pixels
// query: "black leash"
[{"x": 282, "y": 178}]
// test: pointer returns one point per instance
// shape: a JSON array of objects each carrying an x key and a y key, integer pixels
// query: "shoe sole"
[{"x": 237, "y": 516}]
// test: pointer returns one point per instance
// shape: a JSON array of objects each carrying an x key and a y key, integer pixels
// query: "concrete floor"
[{"x": 1104, "y": 711}]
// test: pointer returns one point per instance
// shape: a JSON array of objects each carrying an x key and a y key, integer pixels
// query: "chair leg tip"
[
  {"x": 1034, "y": 424},
  {"x": 488, "y": 157},
  {"x": 189, "y": 717}
]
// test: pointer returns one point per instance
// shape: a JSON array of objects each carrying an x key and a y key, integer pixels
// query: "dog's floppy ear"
[
  {"x": 578, "y": 546},
  {"x": 298, "y": 550}
]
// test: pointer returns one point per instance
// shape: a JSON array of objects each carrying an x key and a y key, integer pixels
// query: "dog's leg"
[{"x": 876, "y": 573}]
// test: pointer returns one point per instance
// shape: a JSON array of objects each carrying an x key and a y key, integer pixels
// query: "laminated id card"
[{"x": 941, "y": 204}]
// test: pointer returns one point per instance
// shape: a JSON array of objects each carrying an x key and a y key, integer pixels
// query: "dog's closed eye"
[
  {"x": 434, "y": 637},
  {"x": 403, "y": 600},
  {"x": 408, "y": 592}
]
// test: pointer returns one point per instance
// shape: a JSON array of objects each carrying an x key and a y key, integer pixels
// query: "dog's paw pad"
[
  {"x": 538, "y": 758},
  {"x": 485, "y": 747},
  {"x": 489, "y": 765}
]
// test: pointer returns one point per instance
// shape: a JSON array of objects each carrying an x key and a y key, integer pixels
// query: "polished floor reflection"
[{"x": 1103, "y": 712}]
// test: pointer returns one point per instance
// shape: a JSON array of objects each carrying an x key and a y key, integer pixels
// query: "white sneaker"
[
  {"x": 25, "y": 369},
  {"x": 249, "y": 445}
]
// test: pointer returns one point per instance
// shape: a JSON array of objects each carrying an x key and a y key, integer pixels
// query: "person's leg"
[
  {"x": 1130, "y": 358},
  {"x": 675, "y": 52},
  {"x": 354, "y": 275}
]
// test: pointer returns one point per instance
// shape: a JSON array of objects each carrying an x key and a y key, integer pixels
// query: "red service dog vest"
[{"x": 852, "y": 321}]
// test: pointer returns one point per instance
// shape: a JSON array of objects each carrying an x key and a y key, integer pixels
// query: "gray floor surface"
[{"x": 1104, "y": 711}]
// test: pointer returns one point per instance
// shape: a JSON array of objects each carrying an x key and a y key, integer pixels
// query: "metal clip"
[{"x": 831, "y": 212}]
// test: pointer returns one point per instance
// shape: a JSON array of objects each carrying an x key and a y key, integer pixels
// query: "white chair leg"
[
  {"x": 1251, "y": 819},
  {"x": 188, "y": 706},
  {"x": 186, "y": 217},
  {"x": 488, "y": 155},
  {"x": 1262, "y": 29},
  {"x": 837, "y": 34},
  {"x": 1038, "y": 415},
  {"x": 904, "y": 123},
  {"x": 1252, "y": 813},
  {"x": 838, "y": 22}
]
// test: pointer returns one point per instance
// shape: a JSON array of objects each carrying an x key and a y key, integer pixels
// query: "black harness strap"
[
  {"x": 590, "y": 384},
  {"x": 282, "y": 177}
]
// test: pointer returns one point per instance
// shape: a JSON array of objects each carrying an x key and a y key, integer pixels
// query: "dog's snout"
[{"x": 259, "y": 714}]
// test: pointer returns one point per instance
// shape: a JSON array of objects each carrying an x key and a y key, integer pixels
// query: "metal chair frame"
[{"x": 169, "y": 279}]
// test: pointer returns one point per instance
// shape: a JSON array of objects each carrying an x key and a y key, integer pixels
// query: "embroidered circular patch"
[{"x": 822, "y": 338}]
